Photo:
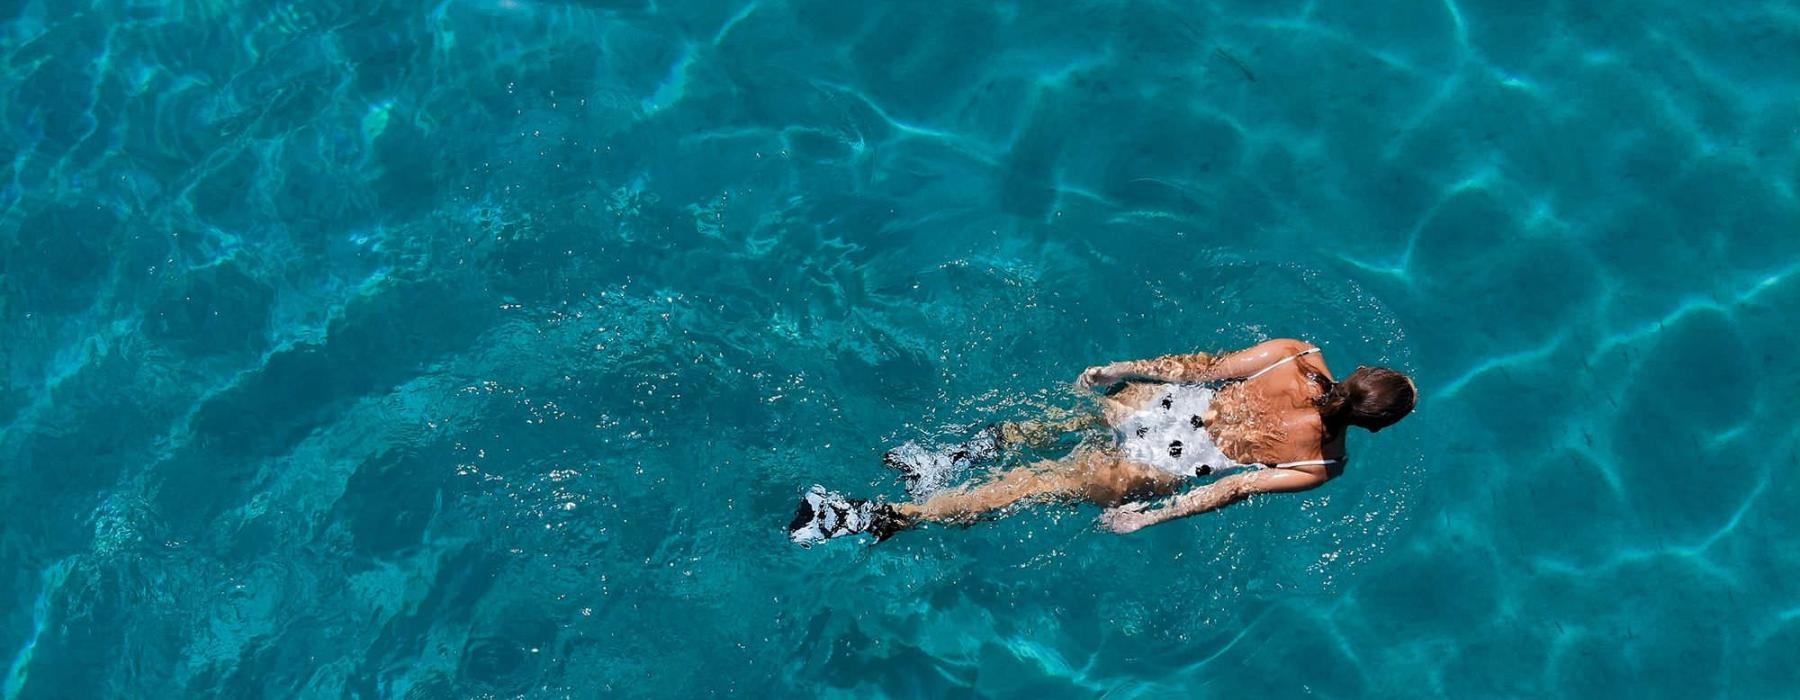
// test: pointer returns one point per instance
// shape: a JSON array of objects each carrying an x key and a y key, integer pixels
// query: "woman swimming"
[{"x": 1266, "y": 419}]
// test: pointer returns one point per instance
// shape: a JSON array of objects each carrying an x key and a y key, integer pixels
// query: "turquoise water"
[{"x": 481, "y": 349}]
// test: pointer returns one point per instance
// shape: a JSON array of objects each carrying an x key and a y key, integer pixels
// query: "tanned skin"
[{"x": 1272, "y": 420}]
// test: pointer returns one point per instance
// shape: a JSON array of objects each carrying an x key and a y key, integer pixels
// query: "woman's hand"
[
  {"x": 1103, "y": 375},
  {"x": 1127, "y": 518}
]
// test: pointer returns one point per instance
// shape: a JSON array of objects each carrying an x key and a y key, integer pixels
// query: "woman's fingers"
[{"x": 1124, "y": 519}]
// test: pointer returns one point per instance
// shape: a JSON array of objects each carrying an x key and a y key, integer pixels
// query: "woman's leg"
[
  {"x": 1045, "y": 431},
  {"x": 1086, "y": 475},
  {"x": 1114, "y": 409},
  {"x": 931, "y": 469},
  {"x": 1046, "y": 481},
  {"x": 1096, "y": 476}
]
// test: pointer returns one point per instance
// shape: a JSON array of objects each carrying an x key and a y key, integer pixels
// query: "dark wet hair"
[{"x": 1371, "y": 397}]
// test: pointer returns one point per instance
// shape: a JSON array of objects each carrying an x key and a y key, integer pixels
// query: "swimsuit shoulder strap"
[
  {"x": 1307, "y": 463},
  {"x": 1280, "y": 362}
]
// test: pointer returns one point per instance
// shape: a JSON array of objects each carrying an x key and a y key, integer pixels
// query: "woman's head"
[{"x": 1371, "y": 397}]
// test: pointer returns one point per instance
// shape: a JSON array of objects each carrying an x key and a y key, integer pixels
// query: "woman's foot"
[
  {"x": 928, "y": 471},
  {"x": 823, "y": 515}
]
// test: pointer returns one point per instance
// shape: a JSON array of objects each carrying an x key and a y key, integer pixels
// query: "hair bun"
[{"x": 1334, "y": 400}]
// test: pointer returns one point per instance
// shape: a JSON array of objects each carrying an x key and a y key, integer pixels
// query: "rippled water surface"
[{"x": 481, "y": 349}]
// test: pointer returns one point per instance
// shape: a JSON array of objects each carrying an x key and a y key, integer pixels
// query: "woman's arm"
[
  {"x": 1193, "y": 369},
  {"x": 1132, "y": 517},
  {"x": 1168, "y": 368}
]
